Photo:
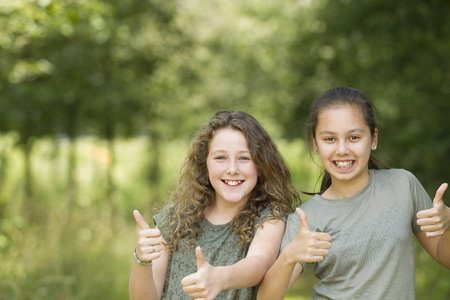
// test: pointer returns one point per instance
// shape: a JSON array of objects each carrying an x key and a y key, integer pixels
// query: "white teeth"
[
  {"x": 233, "y": 182},
  {"x": 343, "y": 164}
]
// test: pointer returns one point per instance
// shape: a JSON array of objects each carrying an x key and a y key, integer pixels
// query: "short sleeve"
[
  {"x": 420, "y": 199},
  {"x": 161, "y": 220},
  {"x": 266, "y": 216}
]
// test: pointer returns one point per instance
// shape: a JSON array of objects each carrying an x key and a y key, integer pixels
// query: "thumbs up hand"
[
  {"x": 435, "y": 221},
  {"x": 149, "y": 243},
  {"x": 307, "y": 246},
  {"x": 203, "y": 284}
]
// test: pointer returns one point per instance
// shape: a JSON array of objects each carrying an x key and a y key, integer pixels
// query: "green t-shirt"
[{"x": 220, "y": 248}]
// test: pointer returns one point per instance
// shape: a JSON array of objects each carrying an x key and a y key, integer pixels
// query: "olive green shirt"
[{"x": 219, "y": 246}]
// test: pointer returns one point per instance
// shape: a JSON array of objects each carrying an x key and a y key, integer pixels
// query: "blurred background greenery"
[{"x": 99, "y": 99}]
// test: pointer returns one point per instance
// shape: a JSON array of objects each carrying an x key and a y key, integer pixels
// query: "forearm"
[
  {"x": 276, "y": 282},
  {"x": 444, "y": 250},
  {"x": 245, "y": 273},
  {"x": 261, "y": 255},
  {"x": 142, "y": 285}
]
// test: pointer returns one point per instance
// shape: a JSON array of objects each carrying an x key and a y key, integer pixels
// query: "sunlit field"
[{"x": 77, "y": 243}]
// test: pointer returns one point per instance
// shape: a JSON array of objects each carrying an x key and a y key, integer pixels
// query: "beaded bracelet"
[{"x": 140, "y": 262}]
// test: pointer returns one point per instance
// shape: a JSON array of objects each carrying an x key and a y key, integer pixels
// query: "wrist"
[
  {"x": 220, "y": 277},
  {"x": 288, "y": 257},
  {"x": 140, "y": 262}
]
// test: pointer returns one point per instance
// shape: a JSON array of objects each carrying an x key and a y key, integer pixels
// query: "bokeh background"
[{"x": 100, "y": 98}]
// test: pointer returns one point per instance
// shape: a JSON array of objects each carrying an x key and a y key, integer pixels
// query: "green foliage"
[{"x": 77, "y": 76}]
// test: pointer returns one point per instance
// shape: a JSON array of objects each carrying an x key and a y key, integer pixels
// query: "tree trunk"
[
  {"x": 154, "y": 167},
  {"x": 72, "y": 131},
  {"x": 29, "y": 205}
]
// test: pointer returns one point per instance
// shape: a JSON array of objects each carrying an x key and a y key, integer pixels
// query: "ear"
[
  {"x": 315, "y": 144},
  {"x": 375, "y": 139}
]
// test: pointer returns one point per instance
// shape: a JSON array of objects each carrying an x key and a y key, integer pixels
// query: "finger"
[
  {"x": 191, "y": 282},
  {"x": 430, "y": 217},
  {"x": 316, "y": 258},
  {"x": 189, "y": 288},
  {"x": 434, "y": 233},
  {"x": 200, "y": 257},
  {"x": 323, "y": 245},
  {"x": 153, "y": 248},
  {"x": 140, "y": 220},
  {"x": 423, "y": 214},
  {"x": 322, "y": 236},
  {"x": 433, "y": 228},
  {"x": 439, "y": 194},
  {"x": 157, "y": 248},
  {"x": 187, "y": 282},
  {"x": 303, "y": 219},
  {"x": 149, "y": 256}
]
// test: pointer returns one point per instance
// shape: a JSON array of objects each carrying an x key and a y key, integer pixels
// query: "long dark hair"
[{"x": 338, "y": 97}]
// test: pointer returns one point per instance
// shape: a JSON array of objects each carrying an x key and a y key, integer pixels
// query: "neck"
[
  {"x": 219, "y": 213},
  {"x": 345, "y": 189}
]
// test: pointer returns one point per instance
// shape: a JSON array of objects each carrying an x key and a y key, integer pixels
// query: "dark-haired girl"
[{"x": 359, "y": 230}]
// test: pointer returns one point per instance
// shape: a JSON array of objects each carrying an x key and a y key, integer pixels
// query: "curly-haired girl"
[{"x": 222, "y": 228}]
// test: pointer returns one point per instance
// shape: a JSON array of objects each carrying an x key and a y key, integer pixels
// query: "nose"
[
  {"x": 342, "y": 148},
  {"x": 232, "y": 167}
]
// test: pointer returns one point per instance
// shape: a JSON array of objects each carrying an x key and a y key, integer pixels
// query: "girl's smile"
[
  {"x": 233, "y": 182},
  {"x": 344, "y": 164}
]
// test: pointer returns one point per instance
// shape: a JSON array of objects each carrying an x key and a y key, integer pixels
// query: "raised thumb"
[
  {"x": 140, "y": 220},
  {"x": 303, "y": 219},
  {"x": 439, "y": 194},
  {"x": 201, "y": 260}
]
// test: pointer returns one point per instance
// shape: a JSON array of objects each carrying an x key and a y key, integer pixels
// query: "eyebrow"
[
  {"x": 350, "y": 131},
  {"x": 224, "y": 151}
]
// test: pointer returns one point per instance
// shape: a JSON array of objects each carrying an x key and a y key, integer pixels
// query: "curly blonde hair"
[{"x": 193, "y": 193}]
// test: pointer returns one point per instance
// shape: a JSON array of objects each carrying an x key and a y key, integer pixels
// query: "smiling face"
[
  {"x": 231, "y": 170},
  {"x": 344, "y": 142}
]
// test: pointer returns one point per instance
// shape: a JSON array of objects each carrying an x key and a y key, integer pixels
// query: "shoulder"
[
  {"x": 391, "y": 172},
  {"x": 400, "y": 181},
  {"x": 268, "y": 215},
  {"x": 162, "y": 214},
  {"x": 309, "y": 207},
  {"x": 394, "y": 176},
  {"x": 162, "y": 220}
]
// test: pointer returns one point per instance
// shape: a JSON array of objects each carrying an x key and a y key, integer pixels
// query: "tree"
[
  {"x": 393, "y": 51},
  {"x": 77, "y": 67}
]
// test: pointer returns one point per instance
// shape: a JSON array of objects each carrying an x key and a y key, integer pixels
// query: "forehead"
[
  {"x": 341, "y": 116},
  {"x": 228, "y": 139}
]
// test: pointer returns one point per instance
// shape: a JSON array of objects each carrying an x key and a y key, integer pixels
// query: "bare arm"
[
  {"x": 280, "y": 278},
  {"x": 308, "y": 246},
  {"x": 435, "y": 226},
  {"x": 261, "y": 255},
  {"x": 209, "y": 281},
  {"x": 147, "y": 282}
]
